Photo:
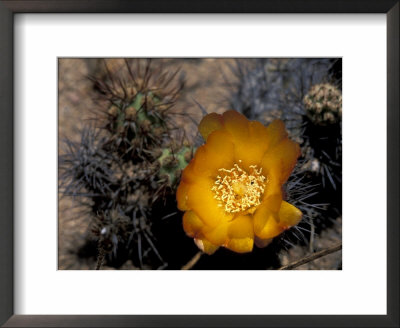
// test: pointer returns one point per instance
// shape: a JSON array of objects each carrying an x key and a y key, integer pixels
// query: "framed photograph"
[
  {"x": 199, "y": 165},
  {"x": 126, "y": 169}
]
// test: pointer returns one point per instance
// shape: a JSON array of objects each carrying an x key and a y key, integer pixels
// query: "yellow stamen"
[{"x": 238, "y": 190}]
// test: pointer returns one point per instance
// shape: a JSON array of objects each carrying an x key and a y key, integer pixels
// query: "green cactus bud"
[
  {"x": 170, "y": 161},
  {"x": 172, "y": 164}
]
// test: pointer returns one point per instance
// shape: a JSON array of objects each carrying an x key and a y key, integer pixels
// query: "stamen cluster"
[{"x": 238, "y": 190}]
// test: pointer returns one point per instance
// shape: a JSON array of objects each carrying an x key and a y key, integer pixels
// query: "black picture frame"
[{"x": 7, "y": 11}]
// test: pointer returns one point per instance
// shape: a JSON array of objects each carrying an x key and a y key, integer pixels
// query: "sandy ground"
[{"x": 204, "y": 84}]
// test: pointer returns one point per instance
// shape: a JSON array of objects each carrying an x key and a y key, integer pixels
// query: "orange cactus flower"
[{"x": 231, "y": 191}]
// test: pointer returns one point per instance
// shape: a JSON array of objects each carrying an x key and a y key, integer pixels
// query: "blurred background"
[{"x": 117, "y": 207}]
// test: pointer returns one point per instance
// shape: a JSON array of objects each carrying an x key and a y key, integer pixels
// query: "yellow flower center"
[{"x": 238, "y": 190}]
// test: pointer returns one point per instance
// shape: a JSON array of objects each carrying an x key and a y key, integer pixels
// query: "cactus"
[
  {"x": 322, "y": 133},
  {"x": 323, "y": 104},
  {"x": 128, "y": 161},
  {"x": 172, "y": 163}
]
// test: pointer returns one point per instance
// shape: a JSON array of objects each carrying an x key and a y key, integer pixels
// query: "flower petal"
[
  {"x": 219, "y": 151},
  {"x": 261, "y": 243},
  {"x": 205, "y": 246},
  {"x": 209, "y": 124},
  {"x": 279, "y": 161},
  {"x": 200, "y": 199},
  {"x": 257, "y": 143},
  {"x": 268, "y": 224},
  {"x": 259, "y": 133},
  {"x": 200, "y": 163},
  {"x": 192, "y": 224},
  {"x": 241, "y": 234},
  {"x": 241, "y": 227},
  {"x": 276, "y": 132},
  {"x": 243, "y": 245},
  {"x": 251, "y": 138},
  {"x": 289, "y": 215},
  {"x": 218, "y": 235},
  {"x": 193, "y": 173},
  {"x": 181, "y": 196},
  {"x": 272, "y": 198},
  {"x": 236, "y": 124}
]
